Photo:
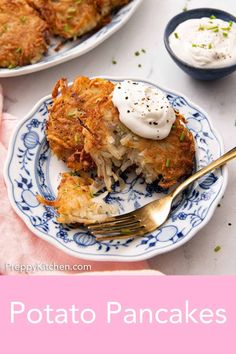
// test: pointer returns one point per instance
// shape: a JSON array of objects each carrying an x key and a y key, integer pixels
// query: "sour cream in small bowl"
[{"x": 202, "y": 42}]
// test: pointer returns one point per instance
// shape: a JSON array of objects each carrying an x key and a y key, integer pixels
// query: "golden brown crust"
[
  {"x": 170, "y": 158},
  {"x": 23, "y": 34},
  {"x": 64, "y": 128},
  {"x": 76, "y": 202},
  {"x": 104, "y": 140},
  {"x": 70, "y": 18}
]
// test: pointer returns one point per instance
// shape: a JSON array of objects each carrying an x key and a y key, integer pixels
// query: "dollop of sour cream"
[
  {"x": 143, "y": 109},
  {"x": 207, "y": 42}
]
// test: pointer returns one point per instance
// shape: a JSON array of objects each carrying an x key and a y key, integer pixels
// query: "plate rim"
[
  {"x": 111, "y": 258},
  {"x": 29, "y": 69}
]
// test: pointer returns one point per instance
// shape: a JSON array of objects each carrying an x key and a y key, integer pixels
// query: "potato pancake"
[
  {"x": 85, "y": 131},
  {"x": 71, "y": 18},
  {"x": 23, "y": 34},
  {"x": 77, "y": 201}
]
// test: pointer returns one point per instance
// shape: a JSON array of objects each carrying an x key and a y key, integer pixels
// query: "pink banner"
[{"x": 114, "y": 314}]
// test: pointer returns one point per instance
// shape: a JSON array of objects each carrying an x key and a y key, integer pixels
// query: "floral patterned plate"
[
  {"x": 32, "y": 169},
  {"x": 74, "y": 49}
]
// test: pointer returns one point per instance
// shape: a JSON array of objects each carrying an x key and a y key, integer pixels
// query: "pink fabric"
[{"x": 17, "y": 244}]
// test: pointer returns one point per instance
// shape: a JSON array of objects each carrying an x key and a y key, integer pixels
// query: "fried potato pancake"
[
  {"x": 71, "y": 18},
  {"x": 23, "y": 34},
  {"x": 77, "y": 203},
  {"x": 85, "y": 131}
]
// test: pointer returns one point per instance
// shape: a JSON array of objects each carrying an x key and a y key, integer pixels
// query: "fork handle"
[{"x": 212, "y": 166}]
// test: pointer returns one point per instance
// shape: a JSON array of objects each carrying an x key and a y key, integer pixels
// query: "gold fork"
[{"x": 151, "y": 216}]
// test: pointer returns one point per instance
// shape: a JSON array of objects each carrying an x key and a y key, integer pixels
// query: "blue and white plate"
[
  {"x": 74, "y": 49},
  {"x": 31, "y": 169}
]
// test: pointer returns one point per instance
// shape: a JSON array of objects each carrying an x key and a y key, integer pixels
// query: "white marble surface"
[{"x": 145, "y": 30}]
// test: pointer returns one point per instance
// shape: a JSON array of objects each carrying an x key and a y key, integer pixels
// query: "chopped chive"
[
  {"x": 125, "y": 231},
  {"x": 168, "y": 163},
  {"x": 176, "y": 35},
  {"x": 225, "y": 34},
  {"x": 143, "y": 50},
  {"x": 139, "y": 65},
  {"x": 137, "y": 53},
  {"x": 194, "y": 45},
  {"x": 182, "y": 137},
  {"x": 226, "y": 28},
  {"x": 11, "y": 66},
  {"x": 209, "y": 46},
  {"x": 213, "y": 28},
  {"x": 78, "y": 1},
  {"x": 23, "y": 19},
  {"x": 67, "y": 28},
  {"x": 217, "y": 249},
  {"x": 201, "y": 28},
  {"x": 216, "y": 30},
  {"x": 73, "y": 173},
  {"x": 77, "y": 138},
  {"x": 71, "y": 10},
  {"x": 114, "y": 62},
  {"x": 71, "y": 114},
  {"x": 230, "y": 23},
  {"x": 212, "y": 17},
  {"x": 19, "y": 50},
  {"x": 185, "y": 9}
]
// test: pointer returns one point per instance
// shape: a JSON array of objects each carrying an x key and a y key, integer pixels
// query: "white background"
[{"x": 145, "y": 30}]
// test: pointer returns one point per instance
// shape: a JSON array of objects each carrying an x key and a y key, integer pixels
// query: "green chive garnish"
[
  {"x": 11, "y": 66},
  {"x": 201, "y": 28},
  {"x": 23, "y": 19},
  {"x": 209, "y": 46},
  {"x": 217, "y": 249},
  {"x": 230, "y": 23},
  {"x": 212, "y": 17},
  {"x": 71, "y": 10},
  {"x": 125, "y": 231},
  {"x": 182, "y": 137},
  {"x": 19, "y": 50},
  {"x": 168, "y": 163},
  {"x": 114, "y": 62},
  {"x": 78, "y": 1},
  {"x": 194, "y": 45},
  {"x": 225, "y": 34},
  {"x": 137, "y": 53},
  {"x": 77, "y": 138},
  {"x": 71, "y": 114},
  {"x": 226, "y": 28},
  {"x": 67, "y": 28},
  {"x": 143, "y": 50},
  {"x": 176, "y": 35},
  {"x": 213, "y": 28}
]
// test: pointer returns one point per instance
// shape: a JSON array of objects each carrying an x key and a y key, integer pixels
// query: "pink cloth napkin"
[{"x": 18, "y": 246}]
